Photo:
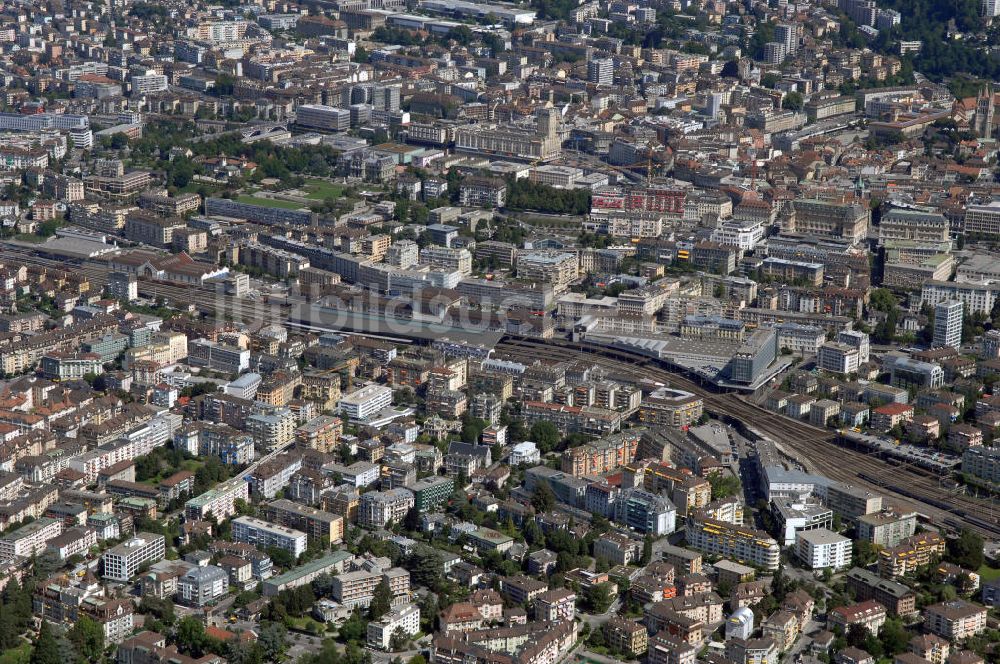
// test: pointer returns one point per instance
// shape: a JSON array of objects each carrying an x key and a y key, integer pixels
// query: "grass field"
[
  {"x": 268, "y": 202},
  {"x": 321, "y": 190},
  {"x": 18, "y": 655},
  {"x": 305, "y": 624},
  {"x": 987, "y": 573},
  {"x": 194, "y": 186}
]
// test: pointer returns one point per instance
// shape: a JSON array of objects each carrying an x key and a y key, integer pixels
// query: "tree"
[
  {"x": 882, "y": 299},
  {"x": 545, "y": 434},
  {"x": 967, "y": 550},
  {"x": 417, "y": 659},
  {"x": 381, "y": 601},
  {"x": 281, "y": 557},
  {"x": 240, "y": 652},
  {"x": 543, "y": 499},
  {"x": 190, "y": 636},
  {"x": 598, "y": 597},
  {"x": 895, "y": 639},
  {"x": 87, "y": 636},
  {"x": 424, "y": 566},
  {"x": 533, "y": 532},
  {"x": 724, "y": 485},
  {"x": 273, "y": 640},
  {"x": 398, "y": 640},
  {"x": 731, "y": 69},
  {"x": 857, "y": 635},
  {"x": 46, "y": 650},
  {"x": 473, "y": 429},
  {"x": 647, "y": 551},
  {"x": 793, "y": 101},
  {"x": 354, "y": 628}
]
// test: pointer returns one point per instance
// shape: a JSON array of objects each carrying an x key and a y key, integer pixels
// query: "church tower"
[{"x": 984, "y": 113}]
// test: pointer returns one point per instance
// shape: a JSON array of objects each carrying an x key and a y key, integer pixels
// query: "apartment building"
[
  {"x": 405, "y": 619},
  {"x": 272, "y": 429},
  {"x": 897, "y": 598},
  {"x": 955, "y": 620},
  {"x": 355, "y": 589},
  {"x": 379, "y": 508},
  {"x": 911, "y": 553},
  {"x": 30, "y": 540},
  {"x": 601, "y": 456},
  {"x": 219, "y": 501},
  {"x": 733, "y": 541},
  {"x": 322, "y": 433},
  {"x": 869, "y": 614},
  {"x": 887, "y": 528},
  {"x": 262, "y": 534},
  {"x": 317, "y": 524},
  {"x": 202, "y": 585},
  {"x": 553, "y": 267},
  {"x": 822, "y": 548}
]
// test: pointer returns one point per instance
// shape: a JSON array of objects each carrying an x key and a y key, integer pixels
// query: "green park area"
[
  {"x": 321, "y": 190},
  {"x": 269, "y": 202}
]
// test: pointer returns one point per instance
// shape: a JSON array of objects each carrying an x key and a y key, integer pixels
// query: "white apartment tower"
[{"x": 948, "y": 323}]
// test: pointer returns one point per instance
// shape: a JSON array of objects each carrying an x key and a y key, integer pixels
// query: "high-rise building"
[
  {"x": 789, "y": 34},
  {"x": 774, "y": 53},
  {"x": 948, "y": 323},
  {"x": 601, "y": 71}
]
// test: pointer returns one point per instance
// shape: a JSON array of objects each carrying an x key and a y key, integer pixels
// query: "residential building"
[
  {"x": 202, "y": 585},
  {"x": 259, "y": 533},
  {"x": 822, "y": 548},
  {"x": 955, "y": 620}
]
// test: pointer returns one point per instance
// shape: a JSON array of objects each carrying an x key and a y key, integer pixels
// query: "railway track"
[
  {"x": 908, "y": 485},
  {"x": 814, "y": 446}
]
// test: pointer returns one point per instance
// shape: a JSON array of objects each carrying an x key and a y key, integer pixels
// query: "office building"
[
  {"x": 122, "y": 562},
  {"x": 325, "y": 118},
  {"x": 218, "y": 356},
  {"x": 838, "y": 358},
  {"x": 754, "y": 356},
  {"x": 646, "y": 512},
  {"x": 365, "y": 402}
]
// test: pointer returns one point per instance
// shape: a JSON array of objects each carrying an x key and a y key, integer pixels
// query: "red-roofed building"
[{"x": 887, "y": 416}]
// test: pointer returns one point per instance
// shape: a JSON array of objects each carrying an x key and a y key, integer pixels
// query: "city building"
[
  {"x": 948, "y": 324},
  {"x": 122, "y": 562},
  {"x": 259, "y": 533},
  {"x": 822, "y": 548}
]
